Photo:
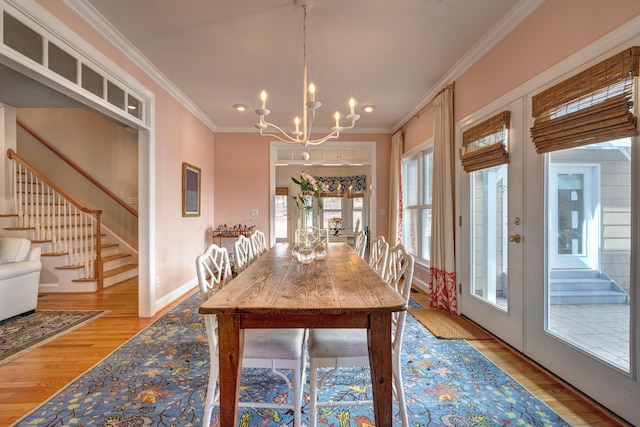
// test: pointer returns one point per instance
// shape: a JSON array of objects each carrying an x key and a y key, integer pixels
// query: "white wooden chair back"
[
  {"x": 259, "y": 243},
  {"x": 312, "y": 236},
  {"x": 378, "y": 255},
  {"x": 361, "y": 243},
  {"x": 213, "y": 270},
  {"x": 243, "y": 253}
]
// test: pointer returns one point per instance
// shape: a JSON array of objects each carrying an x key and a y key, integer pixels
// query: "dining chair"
[
  {"x": 351, "y": 236},
  {"x": 336, "y": 348},
  {"x": 258, "y": 243},
  {"x": 275, "y": 349},
  {"x": 361, "y": 243},
  {"x": 312, "y": 236},
  {"x": 378, "y": 255},
  {"x": 213, "y": 269},
  {"x": 243, "y": 253}
]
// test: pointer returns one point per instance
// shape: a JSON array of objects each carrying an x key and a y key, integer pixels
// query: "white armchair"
[{"x": 19, "y": 276}]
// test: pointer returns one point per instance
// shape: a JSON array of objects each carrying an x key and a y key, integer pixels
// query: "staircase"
[
  {"x": 584, "y": 287},
  {"x": 79, "y": 254}
]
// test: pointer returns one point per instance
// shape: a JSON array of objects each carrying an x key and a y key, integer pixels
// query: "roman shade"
[
  {"x": 282, "y": 191},
  {"x": 485, "y": 145},
  {"x": 593, "y": 106}
]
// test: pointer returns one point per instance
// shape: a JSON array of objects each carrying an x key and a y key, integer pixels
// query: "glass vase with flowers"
[{"x": 310, "y": 190}]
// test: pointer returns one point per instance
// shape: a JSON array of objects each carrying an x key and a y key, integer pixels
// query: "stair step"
[
  {"x": 118, "y": 270},
  {"x": 109, "y": 273},
  {"x": 114, "y": 257},
  {"x": 104, "y": 246},
  {"x": 580, "y": 284}
]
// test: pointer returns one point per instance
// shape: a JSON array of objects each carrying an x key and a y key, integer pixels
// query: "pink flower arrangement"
[{"x": 309, "y": 187}]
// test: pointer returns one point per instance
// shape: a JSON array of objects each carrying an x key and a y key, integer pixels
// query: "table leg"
[
  {"x": 230, "y": 351},
  {"x": 380, "y": 354}
]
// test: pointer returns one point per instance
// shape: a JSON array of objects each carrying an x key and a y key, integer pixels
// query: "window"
[
  {"x": 357, "y": 215},
  {"x": 416, "y": 188},
  {"x": 332, "y": 210},
  {"x": 281, "y": 209}
]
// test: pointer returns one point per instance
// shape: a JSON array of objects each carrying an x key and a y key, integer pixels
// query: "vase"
[
  {"x": 320, "y": 252},
  {"x": 306, "y": 255}
]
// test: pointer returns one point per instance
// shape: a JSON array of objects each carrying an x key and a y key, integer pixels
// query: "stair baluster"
[{"x": 70, "y": 227}]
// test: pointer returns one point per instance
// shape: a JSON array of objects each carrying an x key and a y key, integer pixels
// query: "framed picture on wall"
[{"x": 190, "y": 190}]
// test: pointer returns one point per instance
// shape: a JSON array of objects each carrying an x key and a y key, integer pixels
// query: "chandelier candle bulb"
[
  {"x": 352, "y": 104},
  {"x": 263, "y": 98},
  {"x": 337, "y": 116},
  {"x": 312, "y": 92}
]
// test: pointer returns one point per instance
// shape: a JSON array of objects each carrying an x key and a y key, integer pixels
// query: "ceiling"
[
  {"x": 213, "y": 54},
  {"x": 395, "y": 55}
]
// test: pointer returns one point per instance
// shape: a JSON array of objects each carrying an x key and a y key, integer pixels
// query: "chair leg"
[
  {"x": 313, "y": 394},
  {"x": 211, "y": 394},
  {"x": 213, "y": 374},
  {"x": 298, "y": 380},
  {"x": 402, "y": 406}
]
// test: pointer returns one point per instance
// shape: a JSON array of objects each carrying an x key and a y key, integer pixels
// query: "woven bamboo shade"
[
  {"x": 282, "y": 191},
  {"x": 485, "y": 145},
  {"x": 591, "y": 107}
]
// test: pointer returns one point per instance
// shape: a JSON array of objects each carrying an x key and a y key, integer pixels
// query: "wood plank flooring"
[{"x": 31, "y": 379}]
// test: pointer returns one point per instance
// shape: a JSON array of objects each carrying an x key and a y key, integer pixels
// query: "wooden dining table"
[{"x": 276, "y": 291}]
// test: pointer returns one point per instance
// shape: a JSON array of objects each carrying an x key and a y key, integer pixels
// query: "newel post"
[{"x": 99, "y": 273}]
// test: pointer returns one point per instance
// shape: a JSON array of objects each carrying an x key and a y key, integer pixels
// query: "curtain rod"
[{"x": 417, "y": 115}]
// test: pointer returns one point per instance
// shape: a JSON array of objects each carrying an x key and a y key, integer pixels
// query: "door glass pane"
[
  {"x": 282, "y": 225},
  {"x": 489, "y": 242},
  {"x": 589, "y": 274},
  {"x": 570, "y": 214}
]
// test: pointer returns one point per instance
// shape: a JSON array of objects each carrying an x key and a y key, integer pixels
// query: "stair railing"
[
  {"x": 78, "y": 169},
  {"x": 56, "y": 217}
]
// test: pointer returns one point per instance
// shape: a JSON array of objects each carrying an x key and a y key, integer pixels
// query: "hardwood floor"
[{"x": 31, "y": 379}]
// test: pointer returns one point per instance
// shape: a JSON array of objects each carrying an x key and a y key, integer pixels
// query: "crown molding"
[
  {"x": 252, "y": 129},
  {"x": 511, "y": 20},
  {"x": 90, "y": 15}
]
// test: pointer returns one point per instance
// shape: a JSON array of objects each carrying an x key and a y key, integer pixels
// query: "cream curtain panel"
[
  {"x": 395, "y": 190},
  {"x": 595, "y": 105},
  {"x": 442, "y": 283}
]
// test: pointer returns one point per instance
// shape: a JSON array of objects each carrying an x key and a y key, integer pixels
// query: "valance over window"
[
  {"x": 485, "y": 145},
  {"x": 353, "y": 186},
  {"x": 591, "y": 107}
]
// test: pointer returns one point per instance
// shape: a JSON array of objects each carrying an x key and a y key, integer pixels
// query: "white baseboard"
[{"x": 176, "y": 294}]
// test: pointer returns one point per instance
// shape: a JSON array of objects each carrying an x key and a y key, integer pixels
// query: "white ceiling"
[{"x": 394, "y": 54}]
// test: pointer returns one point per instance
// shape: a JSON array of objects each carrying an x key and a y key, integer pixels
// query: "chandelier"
[{"x": 302, "y": 133}]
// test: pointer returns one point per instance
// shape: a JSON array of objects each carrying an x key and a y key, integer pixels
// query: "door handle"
[{"x": 515, "y": 238}]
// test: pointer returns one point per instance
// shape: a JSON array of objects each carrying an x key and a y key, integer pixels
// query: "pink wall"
[
  {"x": 554, "y": 31},
  {"x": 179, "y": 137},
  {"x": 241, "y": 180}
]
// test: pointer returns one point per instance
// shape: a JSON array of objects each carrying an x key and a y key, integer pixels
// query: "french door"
[
  {"x": 548, "y": 260},
  {"x": 491, "y": 229}
]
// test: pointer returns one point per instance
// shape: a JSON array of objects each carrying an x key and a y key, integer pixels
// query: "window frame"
[{"x": 424, "y": 191}]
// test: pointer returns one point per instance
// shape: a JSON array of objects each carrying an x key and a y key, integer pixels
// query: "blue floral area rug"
[{"x": 159, "y": 378}]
